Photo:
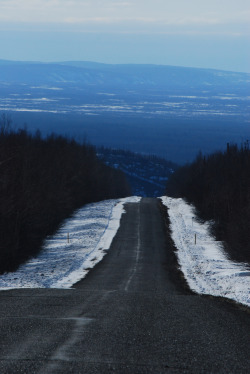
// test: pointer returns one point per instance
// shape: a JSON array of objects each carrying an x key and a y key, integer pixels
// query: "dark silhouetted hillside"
[{"x": 147, "y": 174}]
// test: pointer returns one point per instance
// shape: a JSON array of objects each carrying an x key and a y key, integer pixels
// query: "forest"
[
  {"x": 42, "y": 181},
  {"x": 219, "y": 187},
  {"x": 147, "y": 174}
]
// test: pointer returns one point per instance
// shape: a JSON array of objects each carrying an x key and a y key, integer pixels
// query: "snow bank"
[
  {"x": 205, "y": 264},
  {"x": 78, "y": 246}
]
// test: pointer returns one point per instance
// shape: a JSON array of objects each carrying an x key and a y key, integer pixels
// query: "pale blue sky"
[{"x": 211, "y": 34}]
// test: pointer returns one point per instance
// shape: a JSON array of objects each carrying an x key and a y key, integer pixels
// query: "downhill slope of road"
[
  {"x": 129, "y": 315},
  {"x": 85, "y": 238}
]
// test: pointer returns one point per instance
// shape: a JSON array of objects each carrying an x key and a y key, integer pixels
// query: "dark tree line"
[
  {"x": 42, "y": 181},
  {"x": 219, "y": 187}
]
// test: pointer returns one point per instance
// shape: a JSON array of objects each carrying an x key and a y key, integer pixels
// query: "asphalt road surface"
[{"x": 131, "y": 314}]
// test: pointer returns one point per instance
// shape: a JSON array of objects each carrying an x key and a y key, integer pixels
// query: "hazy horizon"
[
  {"x": 195, "y": 34},
  {"x": 120, "y": 63}
]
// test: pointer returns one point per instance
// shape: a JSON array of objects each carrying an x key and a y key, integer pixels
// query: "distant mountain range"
[
  {"x": 172, "y": 112},
  {"x": 119, "y": 76}
]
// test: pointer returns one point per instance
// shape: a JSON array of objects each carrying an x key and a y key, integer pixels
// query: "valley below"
[{"x": 171, "y": 112}]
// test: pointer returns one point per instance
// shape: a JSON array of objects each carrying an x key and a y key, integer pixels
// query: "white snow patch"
[
  {"x": 205, "y": 264},
  {"x": 63, "y": 262}
]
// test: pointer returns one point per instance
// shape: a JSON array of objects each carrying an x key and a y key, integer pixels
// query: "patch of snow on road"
[
  {"x": 67, "y": 256},
  {"x": 205, "y": 264}
]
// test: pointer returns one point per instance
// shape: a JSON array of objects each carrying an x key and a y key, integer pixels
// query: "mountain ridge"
[
  {"x": 118, "y": 75},
  {"x": 95, "y": 64}
]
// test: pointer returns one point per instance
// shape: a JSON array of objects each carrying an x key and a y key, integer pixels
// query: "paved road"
[{"x": 130, "y": 315}]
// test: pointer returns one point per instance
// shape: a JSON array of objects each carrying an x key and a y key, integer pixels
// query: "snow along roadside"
[
  {"x": 205, "y": 265},
  {"x": 63, "y": 262}
]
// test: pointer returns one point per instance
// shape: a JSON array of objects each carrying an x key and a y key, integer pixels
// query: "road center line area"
[
  {"x": 131, "y": 314},
  {"x": 137, "y": 254}
]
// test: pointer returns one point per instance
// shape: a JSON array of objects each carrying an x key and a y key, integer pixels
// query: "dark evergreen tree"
[
  {"x": 219, "y": 187},
  {"x": 42, "y": 181}
]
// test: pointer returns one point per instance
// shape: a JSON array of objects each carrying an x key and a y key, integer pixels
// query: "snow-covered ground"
[
  {"x": 205, "y": 264},
  {"x": 63, "y": 261},
  {"x": 78, "y": 246}
]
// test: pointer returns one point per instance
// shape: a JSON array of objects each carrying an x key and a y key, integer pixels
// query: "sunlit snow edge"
[
  {"x": 205, "y": 264},
  {"x": 80, "y": 243}
]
